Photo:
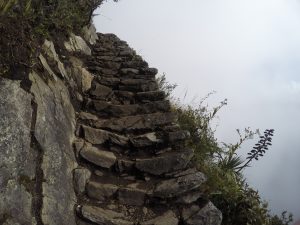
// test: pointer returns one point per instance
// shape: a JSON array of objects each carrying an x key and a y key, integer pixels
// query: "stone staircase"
[{"x": 134, "y": 166}]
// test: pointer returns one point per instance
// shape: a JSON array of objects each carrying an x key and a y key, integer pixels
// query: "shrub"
[{"x": 226, "y": 187}]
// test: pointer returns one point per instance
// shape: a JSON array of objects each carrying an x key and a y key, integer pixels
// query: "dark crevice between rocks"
[{"x": 37, "y": 198}]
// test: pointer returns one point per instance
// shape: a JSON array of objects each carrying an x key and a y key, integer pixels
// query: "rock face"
[
  {"x": 88, "y": 138},
  {"x": 17, "y": 158}
]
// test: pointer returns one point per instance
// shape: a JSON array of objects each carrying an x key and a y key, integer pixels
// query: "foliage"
[{"x": 226, "y": 187}]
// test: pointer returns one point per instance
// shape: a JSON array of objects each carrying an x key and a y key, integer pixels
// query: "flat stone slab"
[
  {"x": 107, "y": 109},
  {"x": 151, "y": 96},
  {"x": 132, "y": 196},
  {"x": 101, "y": 191},
  {"x": 168, "y": 218},
  {"x": 98, "y": 157},
  {"x": 148, "y": 139},
  {"x": 103, "y": 216},
  {"x": 177, "y": 186},
  {"x": 98, "y": 136},
  {"x": 140, "y": 122},
  {"x": 165, "y": 163},
  {"x": 208, "y": 215}
]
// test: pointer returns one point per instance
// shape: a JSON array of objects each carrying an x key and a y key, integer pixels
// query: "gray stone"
[
  {"x": 208, "y": 215},
  {"x": 190, "y": 197},
  {"x": 177, "y": 186},
  {"x": 101, "y": 91},
  {"x": 127, "y": 71},
  {"x": 17, "y": 159},
  {"x": 82, "y": 77},
  {"x": 131, "y": 196},
  {"x": 108, "y": 109},
  {"x": 87, "y": 116},
  {"x": 140, "y": 122},
  {"x": 90, "y": 34},
  {"x": 149, "y": 139},
  {"x": 177, "y": 136},
  {"x": 98, "y": 136},
  {"x": 165, "y": 163},
  {"x": 125, "y": 165},
  {"x": 81, "y": 177},
  {"x": 47, "y": 67},
  {"x": 99, "y": 157},
  {"x": 151, "y": 96},
  {"x": 49, "y": 49},
  {"x": 103, "y": 216},
  {"x": 101, "y": 191},
  {"x": 138, "y": 85},
  {"x": 77, "y": 44},
  {"x": 168, "y": 218},
  {"x": 54, "y": 131},
  {"x": 150, "y": 71},
  {"x": 103, "y": 71}
]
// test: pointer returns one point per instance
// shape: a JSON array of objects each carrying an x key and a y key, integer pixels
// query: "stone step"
[
  {"x": 98, "y": 136},
  {"x": 130, "y": 194},
  {"x": 165, "y": 163},
  {"x": 150, "y": 96},
  {"x": 103, "y": 108},
  {"x": 101, "y": 191},
  {"x": 196, "y": 215},
  {"x": 177, "y": 186},
  {"x": 102, "y": 216},
  {"x": 138, "y": 123},
  {"x": 138, "y": 85},
  {"x": 167, "y": 218},
  {"x": 105, "y": 159}
]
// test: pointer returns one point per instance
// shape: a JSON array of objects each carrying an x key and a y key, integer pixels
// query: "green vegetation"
[{"x": 226, "y": 186}]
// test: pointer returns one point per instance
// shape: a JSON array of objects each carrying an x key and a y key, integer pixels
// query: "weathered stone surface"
[
  {"x": 87, "y": 116},
  {"x": 109, "y": 109},
  {"x": 151, "y": 96},
  {"x": 103, "y": 216},
  {"x": 131, "y": 196},
  {"x": 54, "y": 131},
  {"x": 189, "y": 197},
  {"x": 17, "y": 159},
  {"x": 125, "y": 165},
  {"x": 168, "y": 218},
  {"x": 101, "y": 91},
  {"x": 99, "y": 157},
  {"x": 47, "y": 67},
  {"x": 101, "y": 191},
  {"x": 81, "y": 76},
  {"x": 109, "y": 81},
  {"x": 81, "y": 177},
  {"x": 77, "y": 44},
  {"x": 98, "y": 136},
  {"x": 126, "y": 71},
  {"x": 177, "y": 136},
  {"x": 208, "y": 215},
  {"x": 151, "y": 71},
  {"x": 90, "y": 34},
  {"x": 165, "y": 163},
  {"x": 101, "y": 71},
  {"x": 49, "y": 49},
  {"x": 138, "y": 85},
  {"x": 140, "y": 122},
  {"x": 177, "y": 186},
  {"x": 149, "y": 139}
]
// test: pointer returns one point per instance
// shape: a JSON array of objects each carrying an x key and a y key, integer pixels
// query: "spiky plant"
[{"x": 259, "y": 149}]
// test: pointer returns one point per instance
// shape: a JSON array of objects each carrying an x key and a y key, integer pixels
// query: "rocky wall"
[{"x": 90, "y": 139}]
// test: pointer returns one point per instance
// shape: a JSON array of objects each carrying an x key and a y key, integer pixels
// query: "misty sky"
[{"x": 248, "y": 51}]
